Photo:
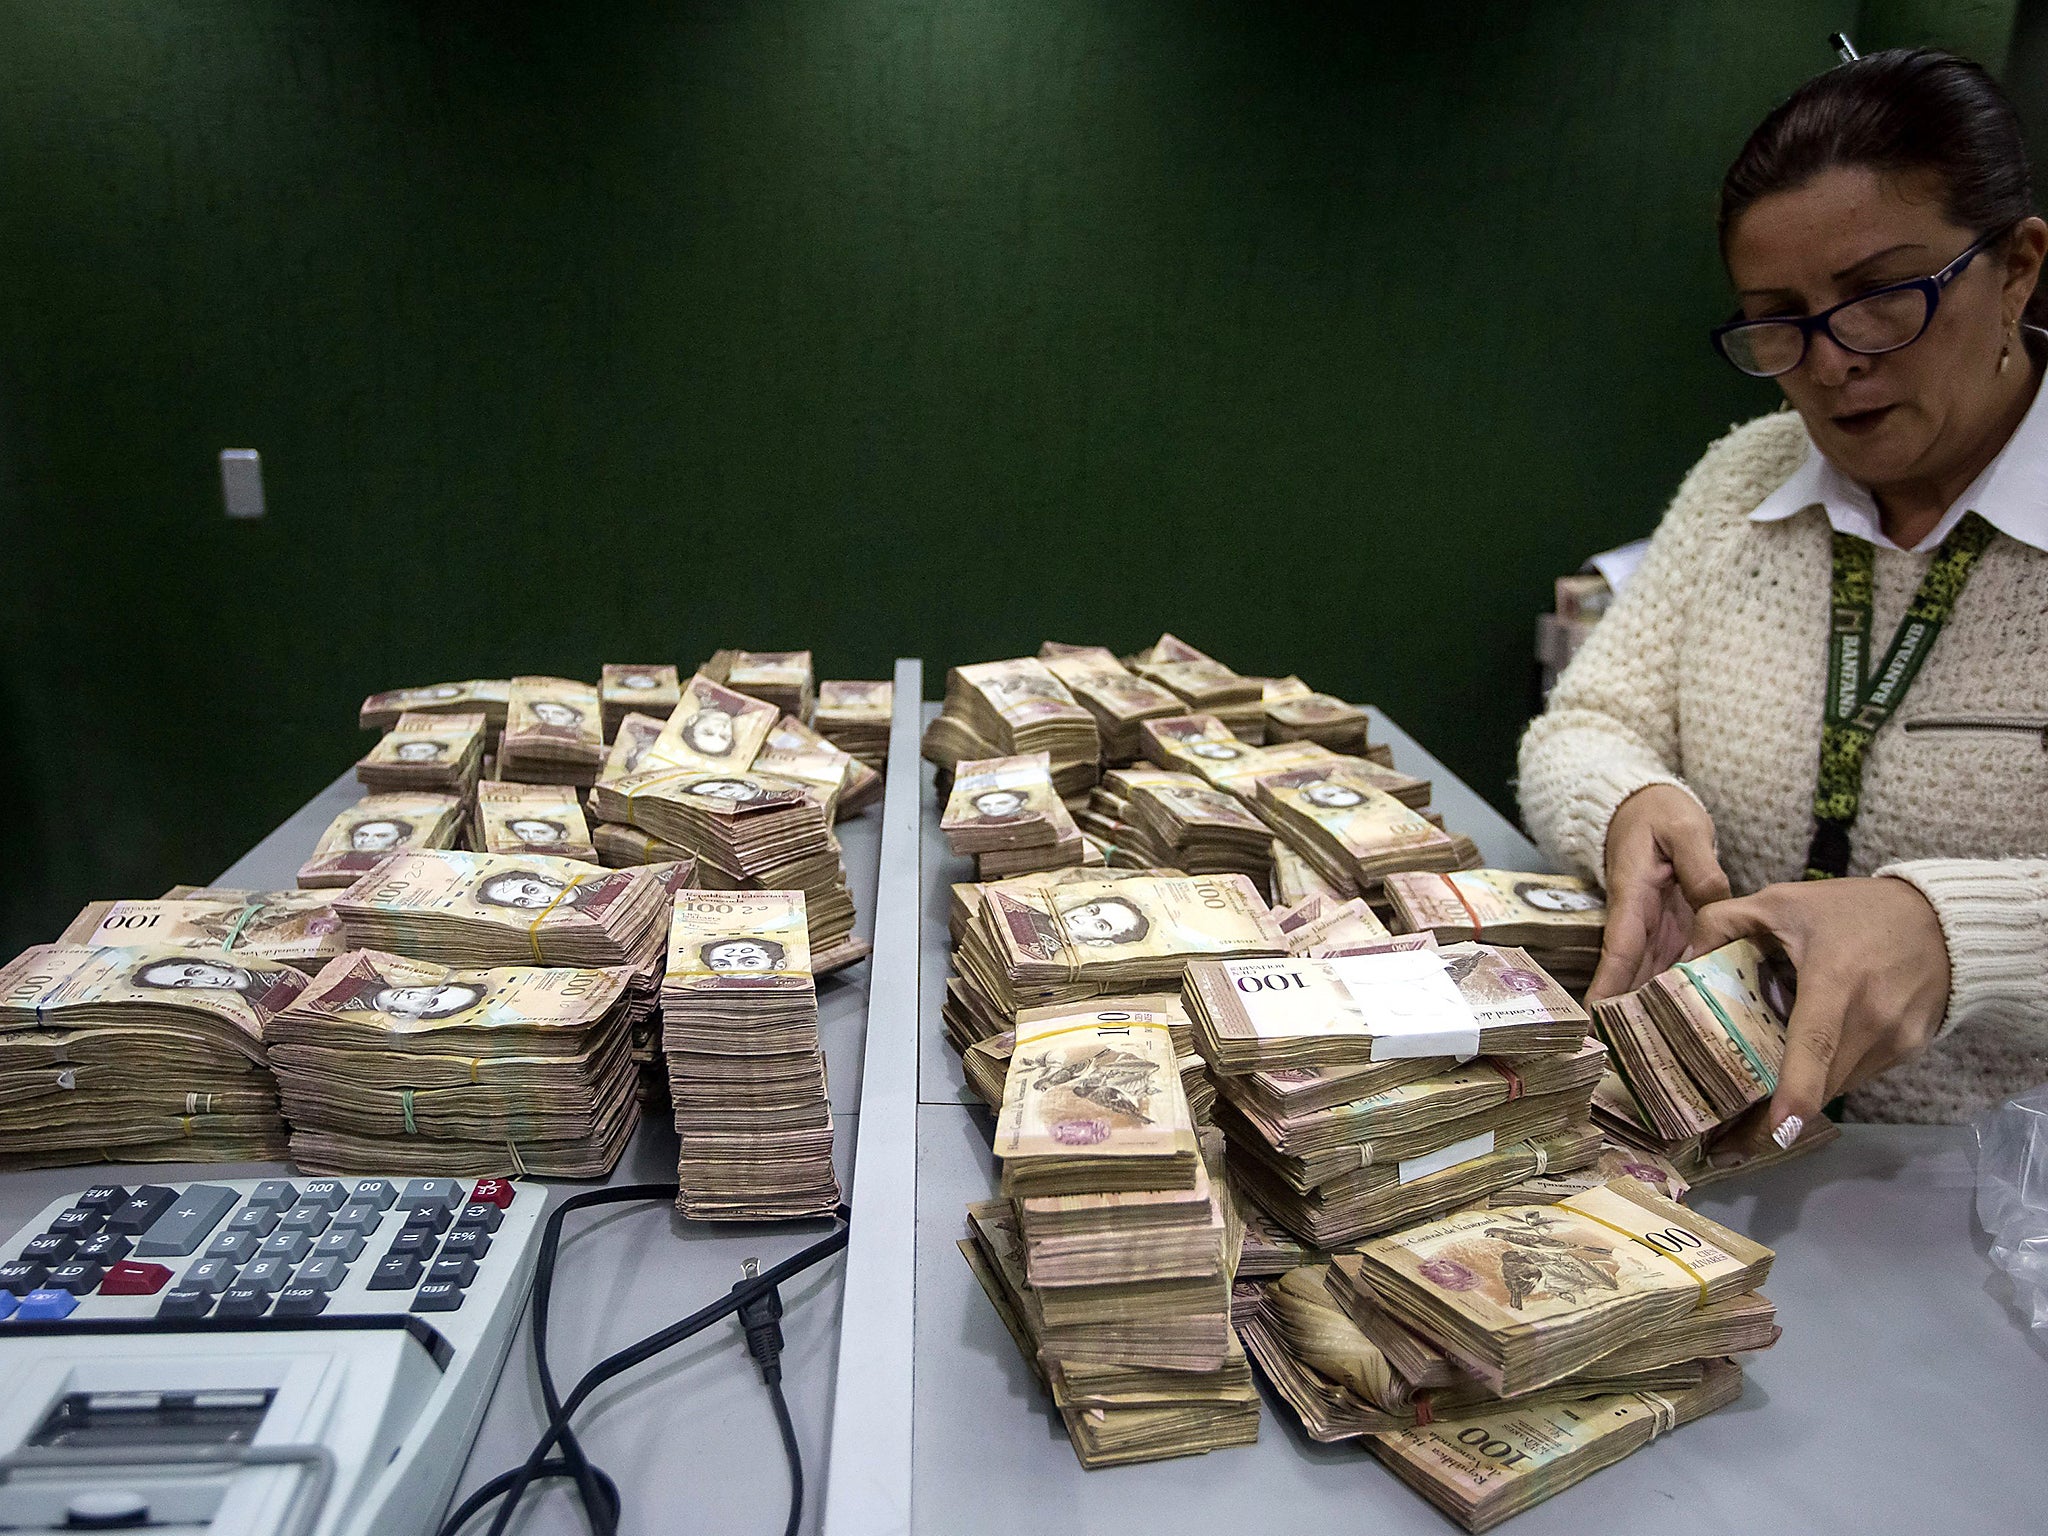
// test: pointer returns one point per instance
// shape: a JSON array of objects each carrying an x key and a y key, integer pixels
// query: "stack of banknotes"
[
  {"x": 415, "y": 1067},
  {"x": 1008, "y": 708},
  {"x": 1002, "y": 812},
  {"x": 627, "y": 689},
  {"x": 746, "y": 1071},
  {"x": 784, "y": 680},
  {"x": 297, "y": 927},
  {"x": 438, "y": 753},
  {"x": 1558, "y": 919},
  {"x": 489, "y": 697},
  {"x": 1112, "y": 1255},
  {"x": 854, "y": 715},
  {"x": 554, "y": 732},
  {"x": 1205, "y": 685},
  {"x": 141, "y": 1052},
  {"x": 1151, "y": 817},
  {"x": 375, "y": 828},
  {"x": 530, "y": 818}
]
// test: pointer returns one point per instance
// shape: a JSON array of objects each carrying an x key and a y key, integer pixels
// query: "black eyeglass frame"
[{"x": 1929, "y": 288}]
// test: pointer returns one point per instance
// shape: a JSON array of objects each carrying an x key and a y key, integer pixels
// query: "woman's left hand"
[{"x": 1873, "y": 984}]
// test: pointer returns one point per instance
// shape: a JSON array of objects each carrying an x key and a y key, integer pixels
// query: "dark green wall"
[{"x": 1324, "y": 335}]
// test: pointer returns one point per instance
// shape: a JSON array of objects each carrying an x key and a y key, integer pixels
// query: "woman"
[{"x": 1880, "y": 231}]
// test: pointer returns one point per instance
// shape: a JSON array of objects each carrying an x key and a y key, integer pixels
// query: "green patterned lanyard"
[{"x": 1857, "y": 710}]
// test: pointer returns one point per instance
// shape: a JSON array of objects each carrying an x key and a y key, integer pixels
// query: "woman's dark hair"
[{"x": 1904, "y": 110}]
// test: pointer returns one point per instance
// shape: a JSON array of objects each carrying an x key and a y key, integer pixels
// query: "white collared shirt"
[{"x": 2011, "y": 494}]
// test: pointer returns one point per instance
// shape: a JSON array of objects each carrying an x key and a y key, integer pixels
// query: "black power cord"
[{"x": 757, "y": 1300}]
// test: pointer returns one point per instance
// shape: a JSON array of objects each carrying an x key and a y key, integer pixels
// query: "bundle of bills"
[
  {"x": 138, "y": 1053},
  {"x": 1559, "y": 919},
  {"x": 437, "y": 753},
  {"x": 1003, "y": 811},
  {"x": 406, "y": 1066},
  {"x": 1319, "y": 926},
  {"x": 1295, "y": 879},
  {"x": 795, "y": 752},
  {"x": 964, "y": 897},
  {"x": 746, "y": 1073},
  {"x": 376, "y": 827},
  {"x": 1118, "y": 698},
  {"x": 1699, "y": 1159},
  {"x": 1354, "y": 833},
  {"x": 489, "y": 697},
  {"x": 712, "y": 729},
  {"x": 1009, "y": 708},
  {"x": 554, "y": 732},
  {"x": 634, "y": 736},
  {"x": 1205, "y": 685},
  {"x": 1462, "y": 1000},
  {"x": 530, "y": 818},
  {"x": 1296, "y": 712},
  {"x": 298, "y": 928},
  {"x": 625, "y": 689},
  {"x": 985, "y": 1062},
  {"x": 1198, "y": 744},
  {"x": 1180, "y": 821},
  {"x": 782, "y": 679},
  {"x": 479, "y": 909},
  {"x": 1032, "y": 945},
  {"x": 854, "y": 715}
]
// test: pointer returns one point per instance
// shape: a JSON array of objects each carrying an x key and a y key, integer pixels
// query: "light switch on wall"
[{"x": 241, "y": 481}]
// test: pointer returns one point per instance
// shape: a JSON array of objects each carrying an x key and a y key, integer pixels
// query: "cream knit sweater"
[{"x": 1707, "y": 673}]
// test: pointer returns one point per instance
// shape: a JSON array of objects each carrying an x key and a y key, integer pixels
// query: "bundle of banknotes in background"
[
  {"x": 145, "y": 1052},
  {"x": 530, "y": 818},
  {"x": 1558, "y": 919},
  {"x": 296, "y": 927},
  {"x": 854, "y": 715},
  {"x": 1112, "y": 1257},
  {"x": 1003, "y": 812},
  {"x": 1693, "y": 1050},
  {"x": 435, "y": 753},
  {"x": 746, "y": 1071},
  {"x": 629, "y": 689},
  {"x": 554, "y": 732},
  {"x": 416, "y": 1067},
  {"x": 1205, "y": 685},
  {"x": 1153, "y": 818},
  {"x": 489, "y": 697},
  {"x": 785, "y": 680},
  {"x": 375, "y": 828}
]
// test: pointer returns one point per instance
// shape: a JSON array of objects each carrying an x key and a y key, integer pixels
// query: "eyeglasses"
[{"x": 1883, "y": 320}]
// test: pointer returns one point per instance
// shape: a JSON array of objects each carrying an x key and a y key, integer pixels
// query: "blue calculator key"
[
  {"x": 79, "y": 1277},
  {"x": 397, "y": 1272},
  {"x": 237, "y": 1247},
  {"x": 445, "y": 1193},
  {"x": 380, "y": 1193},
  {"x": 50, "y": 1248},
  {"x": 437, "y": 1296},
  {"x": 185, "y": 1222},
  {"x": 273, "y": 1195},
  {"x": 48, "y": 1306},
  {"x": 328, "y": 1194},
  {"x": 479, "y": 1213},
  {"x": 7, "y": 1305},
  {"x": 300, "y": 1301},
  {"x": 77, "y": 1222},
  {"x": 22, "y": 1276},
  {"x": 185, "y": 1301},
  {"x": 105, "y": 1248},
  {"x": 359, "y": 1216},
  {"x": 243, "y": 1301},
  {"x": 428, "y": 1218},
  {"x": 287, "y": 1247},
  {"x": 210, "y": 1275},
  {"x": 339, "y": 1244},
  {"x": 466, "y": 1243},
  {"x": 138, "y": 1213},
  {"x": 104, "y": 1198},
  {"x": 260, "y": 1219}
]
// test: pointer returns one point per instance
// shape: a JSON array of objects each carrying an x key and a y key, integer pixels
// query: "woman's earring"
[{"x": 2005, "y": 352}]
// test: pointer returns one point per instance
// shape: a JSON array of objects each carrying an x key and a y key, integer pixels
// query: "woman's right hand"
[{"x": 1661, "y": 869}]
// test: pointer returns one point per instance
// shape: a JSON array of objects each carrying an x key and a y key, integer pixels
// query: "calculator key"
[
  {"x": 466, "y": 1243},
  {"x": 437, "y": 1296},
  {"x": 274, "y": 1195},
  {"x": 50, "y": 1248},
  {"x": 104, "y": 1198},
  {"x": 397, "y": 1272},
  {"x": 429, "y": 1218},
  {"x": 265, "y": 1274},
  {"x": 46, "y": 1306},
  {"x": 305, "y": 1217},
  {"x": 105, "y": 1248},
  {"x": 138, "y": 1213},
  {"x": 381, "y": 1193},
  {"x": 496, "y": 1192},
  {"x": 329, "y": 1194},
  {"x": 79, "y": 1277},
  {"x": 301, "y": 1301},
  {"x": 260, "y": 1219},
  {"x": 339, "y": 1244},
  {"x": 359, "y": 1216},
  {"x": 77, "y": 1222},
  {"x": 323, "y": 1273},
  {"x": 424, "y": 1192},
  {"x": 22, "y": 1276},
  {"x": 185, "y": 1301},
  {"x": 480, "y": 1213},
  {"x": 129, "y": 1278},
  {"x": 237, "y": 1247},
  {"x": 287, "y": 1247},
  {"x": 414, "y": 1242},
  {"x": 7, "y": 1305},
  {"x": 455, "y": 1269},
  {"x": 243, "y": 1301},
  {"x": 184, "y": 1225},
  {"x": 211, "y": 1275}
]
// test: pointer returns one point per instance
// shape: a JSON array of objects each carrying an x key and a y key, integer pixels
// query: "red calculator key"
[
  {"x": 496, "y": 1192},
  {"x": 129, "y": 1278}
]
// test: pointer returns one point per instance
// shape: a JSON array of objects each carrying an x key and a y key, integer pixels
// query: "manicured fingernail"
[{"x": 1788, "y": 1131}]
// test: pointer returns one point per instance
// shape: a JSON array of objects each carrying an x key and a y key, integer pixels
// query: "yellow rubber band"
[{"x": 533, "y": 929}]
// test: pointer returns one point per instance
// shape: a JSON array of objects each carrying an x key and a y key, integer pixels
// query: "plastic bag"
[{"x": 2012, "y": 1196}]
